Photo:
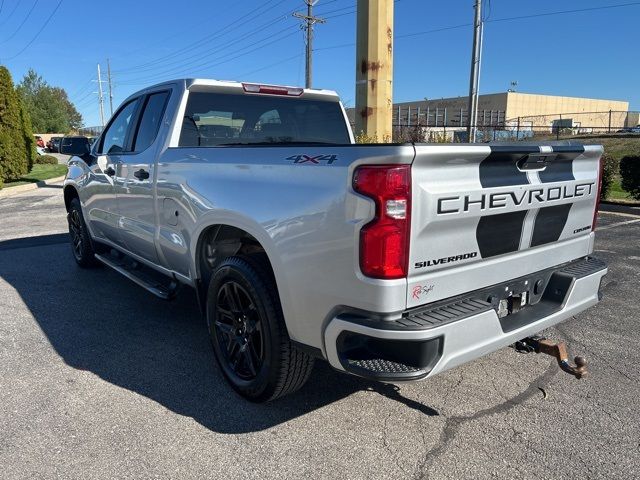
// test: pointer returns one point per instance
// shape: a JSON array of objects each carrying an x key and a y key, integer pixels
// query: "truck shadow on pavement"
[{"x": 98, "y": 321}]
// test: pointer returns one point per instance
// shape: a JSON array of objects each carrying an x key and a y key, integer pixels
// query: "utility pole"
[
  {"x": 110, "y": 88},
  {"x": 475, "y": 72},
  {"x": 100, "y": 97},
  {"x": 374, "y": 69},
  {"x": 310, "y": 21}
]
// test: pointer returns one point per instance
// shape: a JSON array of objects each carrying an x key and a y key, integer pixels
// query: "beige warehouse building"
[{"x": 532, "y": 110}]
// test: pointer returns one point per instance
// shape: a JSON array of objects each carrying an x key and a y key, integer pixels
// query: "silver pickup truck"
[{"x": 390, "y": 261}]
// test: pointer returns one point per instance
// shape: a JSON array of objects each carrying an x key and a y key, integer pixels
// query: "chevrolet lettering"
[{"x": 526, "y": 197}]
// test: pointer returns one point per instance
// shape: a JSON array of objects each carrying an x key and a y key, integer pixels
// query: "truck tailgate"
[{"x": 482, "y": 214}]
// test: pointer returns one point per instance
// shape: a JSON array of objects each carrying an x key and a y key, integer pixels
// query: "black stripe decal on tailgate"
[
  {"x": 551, "y": 220},
  {"x": 498, "y": 234},
  {"x": 500, "y": 169},
  {"x": 549, "y": 224},
  {"x": 561, "y": 168}
]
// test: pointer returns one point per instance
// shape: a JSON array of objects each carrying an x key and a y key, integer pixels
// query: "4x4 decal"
[{"x": 313, "y": 159}]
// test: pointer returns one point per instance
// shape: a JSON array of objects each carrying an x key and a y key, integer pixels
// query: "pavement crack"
[
  {"x": 452, "y": 424},
  {"x": 387, "y": 445}
]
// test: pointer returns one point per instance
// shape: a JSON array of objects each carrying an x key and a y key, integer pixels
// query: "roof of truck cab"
[{"x": 190, "y": 82}]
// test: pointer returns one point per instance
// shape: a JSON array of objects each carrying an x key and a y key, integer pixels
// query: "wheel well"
[
  {"x": 218, "y": 242},
  {"x": 69, "y": 194}
]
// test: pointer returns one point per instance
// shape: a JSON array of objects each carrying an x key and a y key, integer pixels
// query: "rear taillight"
[
  {"x": 272, "y": 89},
  {"x": 597, "y": 207},
  {"x": 384, "y": 242}
]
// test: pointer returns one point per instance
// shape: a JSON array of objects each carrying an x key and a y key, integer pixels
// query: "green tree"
[
  {"x": 49, "y": 107},
  {"x": 14, "y": 160},
  {"x": 74, "y": 119},
  {"x": 27, "y": 135}
]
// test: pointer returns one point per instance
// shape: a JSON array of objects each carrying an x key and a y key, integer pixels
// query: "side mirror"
[{"x": 77, "y": 146}]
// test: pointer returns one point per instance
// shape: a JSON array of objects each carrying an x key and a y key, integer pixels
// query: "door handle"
[
  {"x": 141, "y": 174},
  {"x": 110, "y": 171}
]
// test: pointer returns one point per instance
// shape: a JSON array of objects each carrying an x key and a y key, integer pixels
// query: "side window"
[
  {"x": 115, "y": 136},
  {"x": 150, "y": 122}
]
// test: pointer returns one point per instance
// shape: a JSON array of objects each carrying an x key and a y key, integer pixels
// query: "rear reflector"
[
  {"x": 272, "y": 89},
  {"x": 384, "y": 242}
]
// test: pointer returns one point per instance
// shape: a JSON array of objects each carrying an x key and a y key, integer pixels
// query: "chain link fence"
[{"x": 445, "y": 126}]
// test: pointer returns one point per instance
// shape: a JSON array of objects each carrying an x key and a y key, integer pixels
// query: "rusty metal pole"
[{"x": 374, "y": 69}]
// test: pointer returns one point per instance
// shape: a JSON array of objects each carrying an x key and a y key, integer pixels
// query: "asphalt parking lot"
[{"x": 100, "y": 380}]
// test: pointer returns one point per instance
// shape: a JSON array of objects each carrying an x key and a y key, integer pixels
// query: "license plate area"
[
  {"x": 516, "y": 296},
  {"x": 512, "y": 304}
]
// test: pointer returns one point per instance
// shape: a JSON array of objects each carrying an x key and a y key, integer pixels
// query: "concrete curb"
[{"x": 10, "y": 191}]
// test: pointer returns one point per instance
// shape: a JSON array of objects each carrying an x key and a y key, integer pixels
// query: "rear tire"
[
  {"x": 248, "y": 332},
  {"x": 81, "y": 245}
]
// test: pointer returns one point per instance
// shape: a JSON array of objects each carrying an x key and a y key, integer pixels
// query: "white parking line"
[
  {"x": 620, "y": 214},
  {"x": 619, "y": 224}
]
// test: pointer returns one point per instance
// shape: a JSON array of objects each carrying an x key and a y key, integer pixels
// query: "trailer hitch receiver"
[{"x": 557, "y": 350}]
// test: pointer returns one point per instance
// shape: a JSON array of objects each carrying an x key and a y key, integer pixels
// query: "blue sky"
[{"x": 593, "y": 53}]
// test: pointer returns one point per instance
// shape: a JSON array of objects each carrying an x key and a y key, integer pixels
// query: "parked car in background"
[
  {"x": 635, "y": 129},
  {"x": 53, "y": 145}
]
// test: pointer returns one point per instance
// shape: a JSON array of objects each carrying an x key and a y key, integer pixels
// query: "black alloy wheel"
[
  {"x": 239, "y": 330},
  {"x": 75, "y": 230},
  {"x": 81, "y": 245},
  {"x": 248, "y": 332}
]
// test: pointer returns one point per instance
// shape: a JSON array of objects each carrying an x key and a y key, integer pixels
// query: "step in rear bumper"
[{"x": 429, "y": 341}]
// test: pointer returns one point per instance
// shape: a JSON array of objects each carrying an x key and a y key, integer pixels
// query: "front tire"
[
  {"x": 81, "y": 245},
  {"x": 248, "y": 332}
]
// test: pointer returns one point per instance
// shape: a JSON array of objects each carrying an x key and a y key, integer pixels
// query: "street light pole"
[
  {"x": 100, "y": 97},
  {"x": 475, "y": 73}
]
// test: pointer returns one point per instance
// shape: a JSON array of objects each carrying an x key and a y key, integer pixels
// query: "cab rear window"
[{"x": 218, "y": 119}]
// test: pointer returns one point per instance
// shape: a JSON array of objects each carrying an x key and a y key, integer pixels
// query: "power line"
[
  {"x": 215, "y": 61},
  {"x": 324, "y": 4},
  {"x": 23, "y": 22},
  {"x": 15, "y": 7},
  {"x": 200, "y": 55},
  {"x": 563, "y": 12},
  {"x": 505, "y": 19},
  {"x": 201, "y": 42},
  {"x": 337, "y": 9},
  {"x": 86, "y": 103},
  {"x": 38, "y": 32},
  {"x": 88, "y": 93},
  {"x": 81, "y": 89},
  {"x": 346, "y": 13},
  {"x": 487, "y": 11},
  {"x": 180, "y": 63},
  {"x": 266, "y": 67}
]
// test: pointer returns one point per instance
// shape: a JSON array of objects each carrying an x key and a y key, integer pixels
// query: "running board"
[{"x": 134, "y": 273}]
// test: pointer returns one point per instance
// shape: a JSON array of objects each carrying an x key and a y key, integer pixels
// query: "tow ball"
[{"x": 557, "y": 350}]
